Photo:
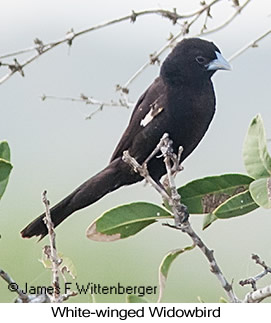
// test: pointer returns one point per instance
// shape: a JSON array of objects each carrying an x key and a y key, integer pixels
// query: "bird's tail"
[{"x": 115, "y": 175}]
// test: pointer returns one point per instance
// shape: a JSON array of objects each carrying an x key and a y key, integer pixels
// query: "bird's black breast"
[
  {"x": 184, "y": 112},
  {"x": 185, "y": 116},
  {"x": 191, "y": 110}
]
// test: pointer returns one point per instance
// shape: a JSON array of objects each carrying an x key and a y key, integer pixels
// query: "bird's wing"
[{"x": 148, "y": 106}]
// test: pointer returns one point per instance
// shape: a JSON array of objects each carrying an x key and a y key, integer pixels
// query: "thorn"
[
  {"x": 16, "y": 67},
  {"x": 70, "y": 36},
  {"x": 40, "y": 45},
  {"x": 133, "y": 16}
]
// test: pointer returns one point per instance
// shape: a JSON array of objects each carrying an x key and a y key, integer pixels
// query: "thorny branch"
[
  {"x": 252, "y": 44},
  {"x": 184, "y": 30},
  {"x": 155, "y": 57},
  {"x": 41, "y": 48},
  {"x": 179, "y": 210},
  {"x": 22, "y": 296},
  {"x": 13, "y": 286},
  {"x": 253, "y": 280},
  {"x": 257, "y": 295},
  {"x": 181, "y": 217},
  {"x": 51, "y": 251},
  {"x": 91, "y": 101}
]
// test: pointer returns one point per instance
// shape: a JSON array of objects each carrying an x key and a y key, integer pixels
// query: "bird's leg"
[
  {"x": 157, "y": 148},
  {"x": 178, "y": 164},
  {"x": 176, "y": 160}
]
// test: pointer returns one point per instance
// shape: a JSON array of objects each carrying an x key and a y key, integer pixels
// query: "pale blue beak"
[{"x": 218, "y": 64}]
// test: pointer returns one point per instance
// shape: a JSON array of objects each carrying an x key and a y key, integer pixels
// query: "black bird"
[{"x": 180, "y": 102}]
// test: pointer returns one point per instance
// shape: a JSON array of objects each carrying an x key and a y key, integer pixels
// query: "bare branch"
[
  {"x": 70, "y": 35},
  {"x": 42, "y": 48},
  {"x": 252, "y": 44},
  {"x": 181, "y": 33},
  {"x": 51, "y": 251},
  {"x": 122, "y": 102},
  {"x": 23, "y": 297},
  {"x": 179, "y": 210},
  {"x": 258, "y": 294},
  {"x": 142, "y": 170},
  {"x": 209, "y": 254},
  {"x": 238, "y": 10},
  {"x": 13, "y": 286}
]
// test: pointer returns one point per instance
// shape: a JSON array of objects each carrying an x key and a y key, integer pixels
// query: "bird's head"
[{"x": 193, "y": 60}]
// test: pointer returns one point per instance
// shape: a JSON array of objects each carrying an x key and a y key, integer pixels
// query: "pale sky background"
[{"x": 53, "y": 147}]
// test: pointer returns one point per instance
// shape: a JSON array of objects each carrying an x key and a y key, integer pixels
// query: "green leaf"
[
  {"x": 4, "y": 151},
  {"x": 208, "y": 219},
  {"x": 222, "y": 300},
  {"x": 239, "y": 204},
  {"x": 5, "y": 169},
  {"x": 204, "y": 195},
  {"x": 135, "y": 299},
  {"x": 165, "y": 265},
  {"x": 125, "y": 220},
  {"x": 261, "y": 192},
  {"x": 4, "y": 155},
  {"x": 66, "y": 265},
  {"x": 256, "y": 158},
  {"x": 236, "y": 205},
  {"x": 3, "y": 185}
]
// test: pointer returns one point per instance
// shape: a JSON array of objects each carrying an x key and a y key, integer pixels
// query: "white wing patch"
[{"x": 154, "y": 111}]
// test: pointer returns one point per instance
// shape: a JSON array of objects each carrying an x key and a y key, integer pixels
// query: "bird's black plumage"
[{"x": 181, "y": 102}]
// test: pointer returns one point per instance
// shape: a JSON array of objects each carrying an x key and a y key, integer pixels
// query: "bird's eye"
[{"x": 200, "y": 59}]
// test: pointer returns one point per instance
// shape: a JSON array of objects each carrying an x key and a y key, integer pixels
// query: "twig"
[
  {"x": 258, "y": 295},
  {"x": 252, "y": 44},
  {"x": 207, "y": 16},
  {"x": 253, "y": 280},
  {"x": 23, "y": 297},
  {"x": 155, "y": 57},
  {"x": 238, "y": 10},
  {"x": 171, "y": 15},
  {"x": 14, "y": 287},
  {"x": 181, "y": 33},
  {"x": 91, "y": 101},
  {"x": 178, "y": 209},
  {"x": 65, "y": 297},
  {"x": 209, "y": 254},
  {"x": 42, "y": 48},
  {"x": 182, "y": 223},
  {"x": 52, "y": 250},
  {"x": 51, "y": 253},
  {"x": 144, "y": 173}
]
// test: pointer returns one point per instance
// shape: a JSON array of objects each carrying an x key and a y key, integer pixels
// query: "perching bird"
[{"x": 180, "y": 102}]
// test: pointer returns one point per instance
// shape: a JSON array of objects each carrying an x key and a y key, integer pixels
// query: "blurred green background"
[{"x": 53, "y": 147}]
